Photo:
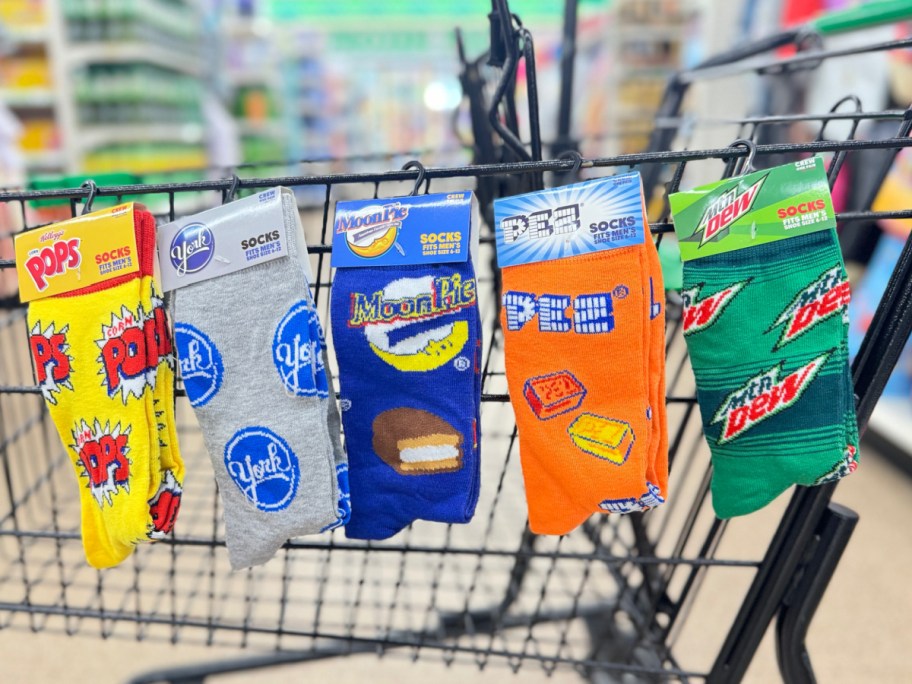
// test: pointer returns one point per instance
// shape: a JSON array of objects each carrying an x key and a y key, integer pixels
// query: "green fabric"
[{"x": 776, "y": 314}]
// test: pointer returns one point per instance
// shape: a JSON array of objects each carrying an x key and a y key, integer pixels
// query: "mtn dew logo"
[
  {"x": 828, "y": 295},
  {"x": 700, "y": 314},
  {"x": 725, "y": 210},
  {"x": 764, "y": 396}
]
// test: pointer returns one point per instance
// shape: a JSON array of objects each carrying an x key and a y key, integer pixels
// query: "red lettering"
[
  {"x": 758, "y": 407},
  {"x": 124, "y": 356},
  {"x": 98, "y": 457},
  {"x": 737, "y": 420},
  {"x": 45, "y": 352},
  {"x": 75, "y": 256}
]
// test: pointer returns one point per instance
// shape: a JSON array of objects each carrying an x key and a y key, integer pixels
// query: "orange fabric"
[
  {"x": 657, "y": 470},
  {"x": 571, "y": 450}
]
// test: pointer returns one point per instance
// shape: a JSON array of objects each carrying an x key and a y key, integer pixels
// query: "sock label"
[
  {"x": 404, "y": 231},
  {"x": 766, "y": 206},
  {"x": 596, "y": 215},
  {"x": 73, "y": 254},
  {"x": 263, "y": 467},
  {"x": 223, "y": 240}
]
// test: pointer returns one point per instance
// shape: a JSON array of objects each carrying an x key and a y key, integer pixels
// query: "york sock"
[
  {"x": 408, "y": 345},
  {"x": 92, "y": 365},
  {"x": 584, "y": 383},
  {"x": 247, "y": 355},
  {"x": 765, "y": 328}
]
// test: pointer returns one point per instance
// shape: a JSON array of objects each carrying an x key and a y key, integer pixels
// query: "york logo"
[
  {"x": 52, "y": 261},
  {"x": 825, "y": 297},
  {"x": 263, "y": 467},
  {"x": 593, "y": 313},
  {"x": 192, "y": 248},
  {"x": 52, "y": 362},
  {"x": 699, "y": 314},
  {"x": 102, "y": 453},
  {"x": 200, "y": 363},
  {"x": 763, "y": 396},
  {"x": 297, "y": 352},
  {"x": 541, "y": 224},
  {"x": 131, "y": 349},
  {"x": 726, "y": 209}
]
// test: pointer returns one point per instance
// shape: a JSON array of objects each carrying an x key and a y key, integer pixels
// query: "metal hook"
[
  {"x": 835, "y": 107},
  {"x": 577, "y": 160},
  {"x": 231, "y": 194},
  {"x": 93, "y": 190},
  {"x": 735, "y": 165},
  {"x": 422, "y": 172}
]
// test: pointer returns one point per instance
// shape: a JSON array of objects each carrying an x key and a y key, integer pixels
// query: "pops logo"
[
  {"x": 102, "y": 454},
  {"x": 828, "y": 295},
  {"x": 700, "y": 314},
  {"x": 53, "y": 260},
  {"x": 52, "y": 362},
  {"x": 163, "y": 507},
  {"x": 131, "y": 348},
  {"x": 192, "y": 248},
  {"x": 763, "y": 396}
]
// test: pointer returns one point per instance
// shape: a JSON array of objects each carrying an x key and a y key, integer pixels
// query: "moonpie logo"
[
  {"x": 699, "y": 314},
  {"x": 53, "y": 364},
  {"x": 200, "y": 363},
  {"x": 263, "y": 467},
  {"x": 131, "y": 349},
  {"x": 191, "y": 248},
  {"x": 297, "y": 352},
  {"x": 764, "y": 396},
  {"x": 102, "y": 454},
  {"x": 725, "y": 210},
  {"x": 372, "y": 231},
  {"x": 828, "y": 295},
  {"x": 408, "y": 323},
  {"x": 164, "y": 506}
]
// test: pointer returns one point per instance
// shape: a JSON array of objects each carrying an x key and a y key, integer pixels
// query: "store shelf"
[
  {"x": 112, "y": 134},
  {"x": 27, "y": 98},
  {"x": 117, "y": 53},
  {"x": 271, "y": 129},
  {"x": 46, "y": 160},
  {"x": 27, "y": 35}
]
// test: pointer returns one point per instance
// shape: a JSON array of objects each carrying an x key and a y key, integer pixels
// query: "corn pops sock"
[
  {"x": 767, "y": 340},
  {"x": 247, "y": 354},
  {"x": 575, "y": 335},
  {"x": 407, "y": 343},
  {"x": 92, "y": 367}
]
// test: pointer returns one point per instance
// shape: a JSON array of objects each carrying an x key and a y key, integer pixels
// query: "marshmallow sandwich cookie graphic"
[{"x": 413, "y": 442}]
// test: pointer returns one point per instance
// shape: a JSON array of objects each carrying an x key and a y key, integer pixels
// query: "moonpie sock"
[
  {"x": 575, "y": 335},
  {"x": 764, "y": 327},
  {"x": 407, "y": 342},
  {"x": 92, "y": 367},
  {"x": 246, "y": 355}
]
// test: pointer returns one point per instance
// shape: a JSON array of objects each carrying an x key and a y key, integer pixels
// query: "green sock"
[{"x": 767, "y": 334}]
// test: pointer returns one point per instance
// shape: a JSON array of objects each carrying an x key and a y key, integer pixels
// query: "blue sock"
[{"x": 408, "y": 345}]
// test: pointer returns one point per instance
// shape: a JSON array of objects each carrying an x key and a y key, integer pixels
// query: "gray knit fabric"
[{"x": 266, "y": 433}]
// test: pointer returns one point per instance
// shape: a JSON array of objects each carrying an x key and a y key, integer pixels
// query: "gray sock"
[{"x": 248, "y": 359}]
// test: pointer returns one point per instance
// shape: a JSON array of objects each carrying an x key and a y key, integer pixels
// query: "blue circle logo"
[
  {"x": 200, "y": 363},
  {"x": 263, "y": 467},
  {"x": 192, "y": 248},
  {"x": 297, "y": 351}
]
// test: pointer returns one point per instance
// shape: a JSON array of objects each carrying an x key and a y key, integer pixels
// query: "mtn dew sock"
[
  {"x": 91, "y": 363},
  {"x": 575, "y": 343},
  {"x": 247, "y": 354},
  {"x": 765, "y": 329},
  {"x": 407, "y": 340}
]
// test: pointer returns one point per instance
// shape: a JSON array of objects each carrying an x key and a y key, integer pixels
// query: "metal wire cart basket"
[{"x": 620, "y": 599}]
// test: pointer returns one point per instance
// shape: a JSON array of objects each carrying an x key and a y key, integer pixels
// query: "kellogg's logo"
[
  {"x": 53, "y": 260},
  {"x": 699, "y": 314},
  {"x": 828, "y": 295},
  {"x": 102, "y": 453},
  {"x": 297, "y": 352},
  {"x": 763, "y": 396},
  {"x": 52, "y": 362},
  {"x": 192, "y": 248},
  {"x": 263, "y": 467},
  {"x": 131, "y": 349},
  {"x": 200, "y": 363}
]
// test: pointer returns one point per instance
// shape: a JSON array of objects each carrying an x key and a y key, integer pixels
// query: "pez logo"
[
  {"x": 297, "y": 352},
  {"x": 263, "y": 467},
  {"x": 200, "y": 364},
  {"x": 192, "y": 248}
]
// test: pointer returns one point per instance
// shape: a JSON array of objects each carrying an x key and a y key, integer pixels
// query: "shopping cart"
[{"x": 623, "y": 598}]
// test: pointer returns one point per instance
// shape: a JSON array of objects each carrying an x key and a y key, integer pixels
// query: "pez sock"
[
  {"x": 247, "y": 354},
  {"x": 768, "y": 344},
  {"x": 408, "y": 341},
  {"x": 575, "y": 340},
  {"x": 89, "y": 349}
]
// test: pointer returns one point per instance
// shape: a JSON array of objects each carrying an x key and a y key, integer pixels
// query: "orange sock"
[
  {"x": 581, "y": 373},
  {"x": 657, "y": 471}
]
